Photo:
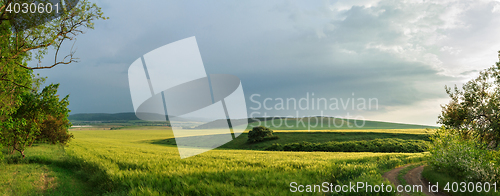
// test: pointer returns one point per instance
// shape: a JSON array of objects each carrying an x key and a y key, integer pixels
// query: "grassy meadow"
[
  {"x": 322, "y": 136},
  {"x": 139, "y": 162}
]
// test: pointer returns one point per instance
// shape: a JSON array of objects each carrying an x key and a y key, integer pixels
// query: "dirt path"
[
  {"x": 413, "y": 177},
  {"x": 392, "y": 176}
]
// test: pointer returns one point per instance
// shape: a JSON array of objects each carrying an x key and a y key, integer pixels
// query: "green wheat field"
[{"x": 141, "y": 161}]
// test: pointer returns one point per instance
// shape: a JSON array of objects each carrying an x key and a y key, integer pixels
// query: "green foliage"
[
  {"x": 376, "y": 145},
  {"x": 465, "y": 159},
  {"x": 20, "y": 47},
  {"x": 442, "y": 179},
  {"x": 322, "y": 136},
  {"x": 259, "y": 134},
  {"x": 463, "y": 147},
  {"x": 14, "y": 80},
  {"x": 473, "y": 110},
  {"x": 1, "y": 153},
  {"x": 36, "y": 118},
  {"x": 26, "y": 115},
  {"x": 54, "y": 130},
  {"x": 33, "y": 43}
]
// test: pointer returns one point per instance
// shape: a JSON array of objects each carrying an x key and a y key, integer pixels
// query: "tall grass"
[
  {"x": 46, "y": 170},
  {"x": 465, "y": 159},
  {"x": 123, "y": 162},
  {"x": 1, "y": 153}
]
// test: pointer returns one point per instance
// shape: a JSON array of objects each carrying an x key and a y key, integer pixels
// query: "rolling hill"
[{"x": 277, "y": 123}]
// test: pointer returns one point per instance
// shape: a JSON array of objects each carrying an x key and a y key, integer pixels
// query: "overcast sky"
[{"x": 402, "y": 53}]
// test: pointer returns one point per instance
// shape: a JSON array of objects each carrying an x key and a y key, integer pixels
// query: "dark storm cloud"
[{"x": 386, "y": 50}]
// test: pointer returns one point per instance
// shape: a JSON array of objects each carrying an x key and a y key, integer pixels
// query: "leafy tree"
[
  {"x": 24, "y": 114},
  {"x": 14, "y": 79},
  {"x": 33, "y": 43},
  {"x": 17, "y": 47},
  {"x": 259, "y": 134},
  {"x": 55, "y": 129},
  {"x": 36, "y": 119},
  {"x": 474, "y": 110}
]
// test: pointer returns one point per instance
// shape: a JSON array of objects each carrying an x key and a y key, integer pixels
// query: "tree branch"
[
  {"x": 67, "y": 27},
  {"x": 50, "y": 66},
  {"x": 71, "y": 60},
  {"x": 20, "y": 85},
  {"x": 3, "y": 12}
]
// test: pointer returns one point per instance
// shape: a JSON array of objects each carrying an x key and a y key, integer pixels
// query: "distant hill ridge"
[
  {"x": 103, "y": 116},
  {"x": 125, "y": 116},
  {"x": 298, "y": 124}
]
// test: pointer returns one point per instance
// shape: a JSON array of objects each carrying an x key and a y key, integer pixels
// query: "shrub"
[
  {"x": 259, "y": 134},
  {"x": 55, "y": 130},
  {"x": 376, "y": 145},
  {"x": 466, "y": 159}
]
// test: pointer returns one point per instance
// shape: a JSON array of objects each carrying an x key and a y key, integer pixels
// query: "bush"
[
  {"x": 54, "y": 130},
  {"x": 259, "y": 134},
  {"x": 466, "y": 159},
  {"x": 1, "y": 153},
  {"x": 376, "y": 145}
]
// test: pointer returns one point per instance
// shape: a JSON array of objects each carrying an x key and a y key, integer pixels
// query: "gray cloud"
[{"x": 401, "y": 54}]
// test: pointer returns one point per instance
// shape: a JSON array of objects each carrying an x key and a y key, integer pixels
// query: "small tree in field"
[
  {"x": 474, "y": 110},
  {"x": 260, "y": 133}
]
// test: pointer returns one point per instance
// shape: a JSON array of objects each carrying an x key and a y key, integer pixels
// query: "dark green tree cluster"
[
  {"x": 259, "y": 134},
  {"x": 41, "y": 116},
  {"x": 376, "y": 145},
  {"x": 474, "y": 110},
  {"x": 28, "y": 114}
]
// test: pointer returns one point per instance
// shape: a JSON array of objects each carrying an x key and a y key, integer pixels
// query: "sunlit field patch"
[{"x": 129, "y": 163}]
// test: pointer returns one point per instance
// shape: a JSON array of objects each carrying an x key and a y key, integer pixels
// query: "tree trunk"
[
  {"x": 22, "y": 153},
  {"x": 32, "y": 141}
]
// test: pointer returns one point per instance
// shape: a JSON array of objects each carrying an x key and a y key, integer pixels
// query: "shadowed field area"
[
  {"x": 315, "y": 136},
  {"x": 142, "y": 162}
]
